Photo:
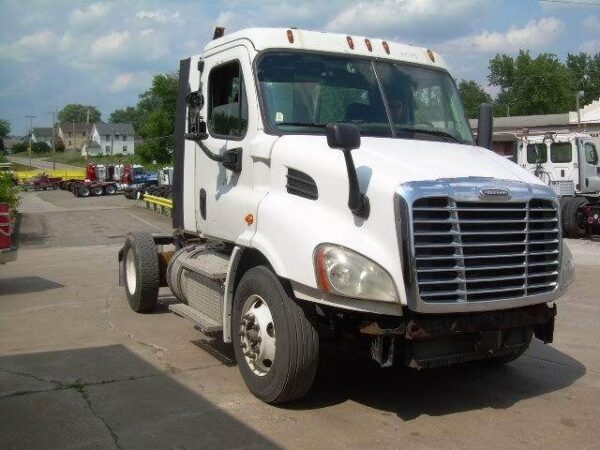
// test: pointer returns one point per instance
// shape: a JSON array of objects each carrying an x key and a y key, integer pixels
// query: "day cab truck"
[
  {"x": 327, "y": 185},
  {"x": 569, "y": 164}
]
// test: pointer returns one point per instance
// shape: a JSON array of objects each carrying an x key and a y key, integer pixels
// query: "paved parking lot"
[{"x": 79, "y": 369}]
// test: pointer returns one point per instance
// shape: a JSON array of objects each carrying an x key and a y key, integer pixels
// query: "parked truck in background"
[
  {"x": 327, "y": 185},
  {"x": 568, "y": 163}
]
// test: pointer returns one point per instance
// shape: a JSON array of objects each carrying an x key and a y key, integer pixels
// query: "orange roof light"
[
  {"x": 386, "y": 47},
  {"x": 431, "y": 55},
  {"x": 290, "y": 36},
  {"x": 350, "y": 42},
  {"x": 368, "y": 44}
]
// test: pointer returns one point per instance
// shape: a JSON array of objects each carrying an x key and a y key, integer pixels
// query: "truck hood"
[{"x": 402, "y": 160}]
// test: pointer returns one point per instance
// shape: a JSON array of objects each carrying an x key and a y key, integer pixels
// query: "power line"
[{"x": 567, "y": 2}]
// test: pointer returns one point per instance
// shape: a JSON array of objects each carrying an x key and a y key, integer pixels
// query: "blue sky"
[{"x": 54, "y": 52}]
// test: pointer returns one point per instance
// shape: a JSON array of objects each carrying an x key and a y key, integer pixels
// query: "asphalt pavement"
[{"x": 79, "y": 369}]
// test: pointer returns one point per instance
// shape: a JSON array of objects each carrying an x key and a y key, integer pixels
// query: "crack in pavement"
[
  {"x": 60, "y": 386},
  {"x": 86, "y": 398}
]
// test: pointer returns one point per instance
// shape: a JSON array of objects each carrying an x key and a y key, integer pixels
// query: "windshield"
[{"x": 301, "y": 93}]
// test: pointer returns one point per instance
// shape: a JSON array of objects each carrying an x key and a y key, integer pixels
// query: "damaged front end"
[{"x": 429, "y": 341}]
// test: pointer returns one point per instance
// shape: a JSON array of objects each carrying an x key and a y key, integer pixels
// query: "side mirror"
[
  {"x": 196, "y": 125},
  {"x": 346, "y": 137},
  {"x": 485, "y": 126},
  {"x": 342, "y": 136}
]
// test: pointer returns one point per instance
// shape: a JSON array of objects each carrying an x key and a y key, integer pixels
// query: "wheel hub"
[
  {"x": 257, "y": 335},
  {"x": 130, "y": 271}
]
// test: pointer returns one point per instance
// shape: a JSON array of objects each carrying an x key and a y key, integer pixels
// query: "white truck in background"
[
  {"x": 325, "y": 182},
  {"x": 569, "y": 164}
]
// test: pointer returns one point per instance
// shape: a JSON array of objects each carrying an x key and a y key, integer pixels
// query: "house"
[
  {"x": 507, "y": 130},
  {"x": 74, "y": 134},
  {"x": 110, "y": 139},
  {"x": 42, "y": 134}
]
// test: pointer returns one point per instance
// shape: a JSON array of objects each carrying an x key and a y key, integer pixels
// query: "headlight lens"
[{"x": 342, "y": 271}]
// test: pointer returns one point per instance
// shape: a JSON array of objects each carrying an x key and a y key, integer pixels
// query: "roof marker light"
[
  {"x": 386, "y": 47},
  {"x": 431, "y": 55},
  {"x": 290, "y": 36},
  {"x": 350, "y": 42},
  {"x": 368, "y": 44}
]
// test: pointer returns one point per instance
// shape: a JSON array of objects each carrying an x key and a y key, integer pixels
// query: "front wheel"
[
  {"x": 141, "y": 272},
  {"x": 276, "y": 345}
]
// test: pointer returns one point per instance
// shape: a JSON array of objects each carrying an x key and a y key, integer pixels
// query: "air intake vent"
[
  {"x": 482, "y": 251},
  {"x": 301, "y": 184}
]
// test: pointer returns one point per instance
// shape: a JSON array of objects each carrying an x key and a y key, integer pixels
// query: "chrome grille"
[{"x": 479, "y": 251}]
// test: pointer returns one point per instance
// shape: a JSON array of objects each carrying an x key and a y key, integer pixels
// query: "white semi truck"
[
  {"x": 327, "y": 184},
  {"x": 569, "y": 164}
]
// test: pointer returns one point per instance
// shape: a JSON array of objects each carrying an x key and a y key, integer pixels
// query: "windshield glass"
[{"x": 301, "y": 93}]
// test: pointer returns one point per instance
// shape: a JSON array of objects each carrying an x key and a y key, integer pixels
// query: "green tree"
[
  {"x": 156, "y": 116},
  {"x": 78, "y": 113},
  {"x": 4, "y": 128},
  {"x": 472, "y": 95},
  {"x": 129, "y": 114},
  {"x": 541, "y": 85},
  {"x": 585, "y": 75}
]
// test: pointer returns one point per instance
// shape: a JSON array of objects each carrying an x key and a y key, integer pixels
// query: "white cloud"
[
  {"x": 591, "y": 47},
  {"x": 90, "y": 14},
  {"x": 394, "y": 16},
  {"x": 535, "y": 34},
  {"x": 128, "y": 81},
  {"x": 30, "y": 46},
  {"x": 158, "y": 15},
  {"x": 592, "y": 23},
  {"x": 110, "y": 45}
]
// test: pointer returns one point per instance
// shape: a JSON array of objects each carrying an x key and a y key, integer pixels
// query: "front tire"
[
  {"x": 572, "y": 223},
  {"x": 141, "y": 272},
  {"x": 275, "y": 342}
]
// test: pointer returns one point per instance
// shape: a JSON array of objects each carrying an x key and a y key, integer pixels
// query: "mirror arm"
[{"x": 357, "y": 201}]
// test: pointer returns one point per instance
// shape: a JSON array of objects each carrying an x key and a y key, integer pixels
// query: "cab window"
[
  {"x": 561, "y": 152},
  {"x": 537, "y": 153},
  {"x": 591, "y": 157},
  {"x": 227, "y": 108}
]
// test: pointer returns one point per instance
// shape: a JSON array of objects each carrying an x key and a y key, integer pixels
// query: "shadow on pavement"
[
  {"x": 410, "y": 393},
  {"x": 108, "y": 397},
  {"x": 26, "y": 285}
]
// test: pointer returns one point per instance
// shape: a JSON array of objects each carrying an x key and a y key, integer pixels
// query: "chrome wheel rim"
[
  {"x": 257, "y": 335},
  {"x": 130, "y": 271}
]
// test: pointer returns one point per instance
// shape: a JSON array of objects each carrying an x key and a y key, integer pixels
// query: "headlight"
[{"x": 342, "y": 271}]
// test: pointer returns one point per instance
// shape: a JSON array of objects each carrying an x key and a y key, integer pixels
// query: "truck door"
[
  {"x": 223, "y": 197},
  {"x": 562, "y": 160},
  {"x": 589, "y": 175}
]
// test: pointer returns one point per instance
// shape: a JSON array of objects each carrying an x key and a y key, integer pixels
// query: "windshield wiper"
[
  {"x": 440, "y": 133},
  {"x": 302, "y": 124}
]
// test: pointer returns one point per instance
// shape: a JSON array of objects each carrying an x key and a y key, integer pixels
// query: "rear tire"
[
  {"x": 110, "y": 189},
  {"x": 141, "y": 272},
  {"x": 83, "y": 191},
  {"x": 98, "y": 190},
  {"x": 572, "y": 224},
  {"x": 289, "y": 371}
]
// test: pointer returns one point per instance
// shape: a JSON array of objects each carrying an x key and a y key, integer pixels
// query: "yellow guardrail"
[
  {"x": 65, "y": 174},
  {"x": 163, "y": 205}
]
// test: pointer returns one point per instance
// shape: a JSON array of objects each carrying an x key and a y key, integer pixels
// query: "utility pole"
[
  {"x": 73, "y": 133},
  {"x": 579, "y": 94},
  {"x": 30, "y": 137},
  {"x": 53, "y": 138}
]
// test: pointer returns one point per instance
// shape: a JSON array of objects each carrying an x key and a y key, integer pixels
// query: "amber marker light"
[
  {"x": 368, "y": 44},
  {"x": 386, "y": 47},
  {"x": 290, "y": 36},
  {"x": 249, "y": 219},
  {"x": 350, "y": 42}
]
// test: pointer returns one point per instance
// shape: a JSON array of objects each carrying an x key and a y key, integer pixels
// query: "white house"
[{"x": 110, "y": 139}]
